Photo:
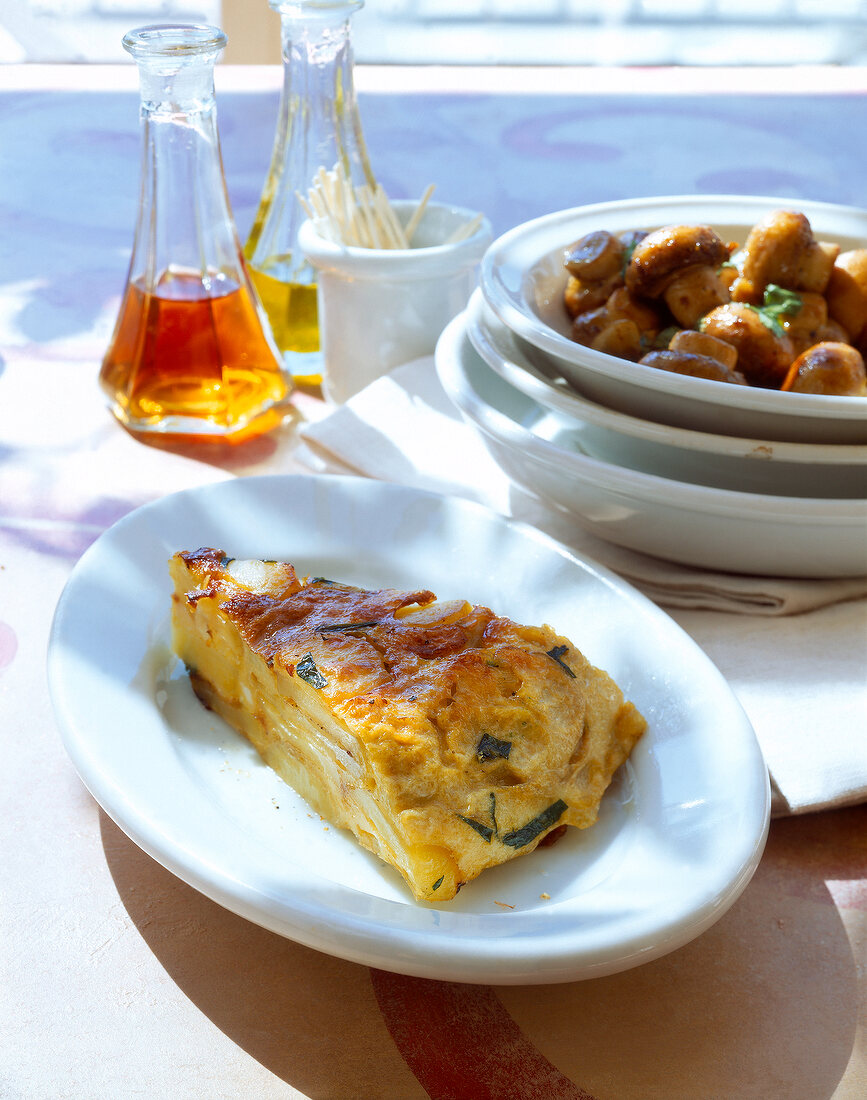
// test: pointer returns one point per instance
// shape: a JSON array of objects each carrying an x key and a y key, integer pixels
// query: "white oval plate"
[
  {"x": 680, "y": 832},
  {"x": 522, "y": 278}
]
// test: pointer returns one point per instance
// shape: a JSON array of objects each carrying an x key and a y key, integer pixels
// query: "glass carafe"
[
  {"x": 192, "y": 352},
  {"x": 318, "y": 126}
]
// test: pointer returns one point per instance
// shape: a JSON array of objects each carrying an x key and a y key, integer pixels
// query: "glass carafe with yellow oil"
[{"x": 318, "y": 127}]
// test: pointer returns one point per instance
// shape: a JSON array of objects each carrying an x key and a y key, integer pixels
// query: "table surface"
[{"x": 119, "y": 979}]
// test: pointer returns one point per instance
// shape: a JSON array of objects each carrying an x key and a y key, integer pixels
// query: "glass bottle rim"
[
  {"x": 315, "y": 7},
  {"x": 174, "y": 40}
]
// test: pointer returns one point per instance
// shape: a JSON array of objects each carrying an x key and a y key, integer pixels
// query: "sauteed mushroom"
[
  {"x": 696, "y": 366},
  {"x": 816, "y": 265},
  {"x": 595, "y": 257},
  {"x": 596, "y": 265},
  {"x": 667, "y": 252},
  {"x": 701, "y": 343},
  {"x": 599, "y": 330},
  {"x": 694, "y": 292},
  {"x": 621, "y": 305},
  {"x": 763, "y": 355},
  {"x": 829, "y": 368},
  {"x": 781, "y": 249},
  {"x": 620, "y": 337},
  {"x": 808, "y": 326},
  {"x": 847, "y": 293},
  {"x": 581, "y": 297},
  {"x": 622, "y": 327}
]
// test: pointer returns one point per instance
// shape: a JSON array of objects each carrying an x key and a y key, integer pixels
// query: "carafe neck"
[
  {"x": 185, "y": 231},
  {"x": 318, "y": 126},
  {"x": 176, "y": 67}
]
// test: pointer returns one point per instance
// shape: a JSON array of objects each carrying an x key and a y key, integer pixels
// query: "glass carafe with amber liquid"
[
  {"x": 318, "y": 126},
  {"x": 192, "y": 353}
]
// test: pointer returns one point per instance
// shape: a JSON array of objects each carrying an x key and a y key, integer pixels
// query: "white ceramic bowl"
[
  {"x": 721, "y": 461},
  {"x": 522, "y": 278},
  {"x": 379, "y": 307},
  {"x": 692, "y": 524}
]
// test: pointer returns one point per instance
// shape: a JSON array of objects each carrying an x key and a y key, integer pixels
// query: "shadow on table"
[
  {"x": 247, "y": 453},
  {"x": 764, "y": 1003},
  {"x": 308, "y": 1018}
]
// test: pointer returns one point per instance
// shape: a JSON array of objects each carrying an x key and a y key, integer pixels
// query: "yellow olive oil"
[{"x": 293, "y": 314}]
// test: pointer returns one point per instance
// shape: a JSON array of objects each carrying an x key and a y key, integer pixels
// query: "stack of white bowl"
[{"x": 705, "y": 473}]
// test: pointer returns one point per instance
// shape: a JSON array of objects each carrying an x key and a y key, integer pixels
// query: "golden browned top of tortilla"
[{"x": 444, "y": 697}]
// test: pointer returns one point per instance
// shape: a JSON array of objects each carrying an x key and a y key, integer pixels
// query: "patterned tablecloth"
[{"x": 120, "y": 980}]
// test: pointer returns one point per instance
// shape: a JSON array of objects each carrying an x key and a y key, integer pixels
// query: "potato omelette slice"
[{"x": 447, "y": 738}]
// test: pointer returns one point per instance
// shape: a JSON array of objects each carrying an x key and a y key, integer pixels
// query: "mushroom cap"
[
  {"x": 596, "y": 256},
  {"x": 702, "y": 343},
  {"x": 696, "y": 366},
  {"x": 660, "y": 255},
  {"x": 829, "y": 367},
  {"x": 847, "y": 291},
  {"x": 773, "y": 253},
  {"x": 764, "y": 356}
]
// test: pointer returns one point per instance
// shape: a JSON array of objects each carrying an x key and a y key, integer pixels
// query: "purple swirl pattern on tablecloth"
[
  {"x": 514, "y": 157},
  {"x": 8, "y": 646}
]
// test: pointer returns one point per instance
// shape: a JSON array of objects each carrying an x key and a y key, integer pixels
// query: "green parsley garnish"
[
  {"x": 664, "y": 337},
  {"x": 627, "y": 254},
  {"x": 778, "y": 303}
]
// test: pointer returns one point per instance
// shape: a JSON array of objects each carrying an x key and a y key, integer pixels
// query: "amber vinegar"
[{"x": 191, "y": 355}]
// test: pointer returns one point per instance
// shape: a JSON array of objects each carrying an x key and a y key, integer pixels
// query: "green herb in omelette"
[
  {"x": 345, "y": 626},
  {"x": 307, "y": 670},
  {"x": 528, "y": 833},
  {"x": 556, "y": 654},
  {"x": 484, "y": 831},
  {"x": 489, "y": 747}
]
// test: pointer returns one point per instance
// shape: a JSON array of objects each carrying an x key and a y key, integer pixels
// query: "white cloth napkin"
[{"x": 793, "y": 651}]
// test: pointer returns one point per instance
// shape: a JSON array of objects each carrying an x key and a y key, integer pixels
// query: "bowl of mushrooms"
[
  {"x": 674, "y": 518},
  {"x": 735, "y": 315},
  {"x": 738, "y": 463}
]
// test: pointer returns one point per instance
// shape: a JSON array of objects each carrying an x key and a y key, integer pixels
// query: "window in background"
[
  {"x": 533, "y": 32},
  {"x": 613, "y": 32},
  {"x": 69, "y": 31}
]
